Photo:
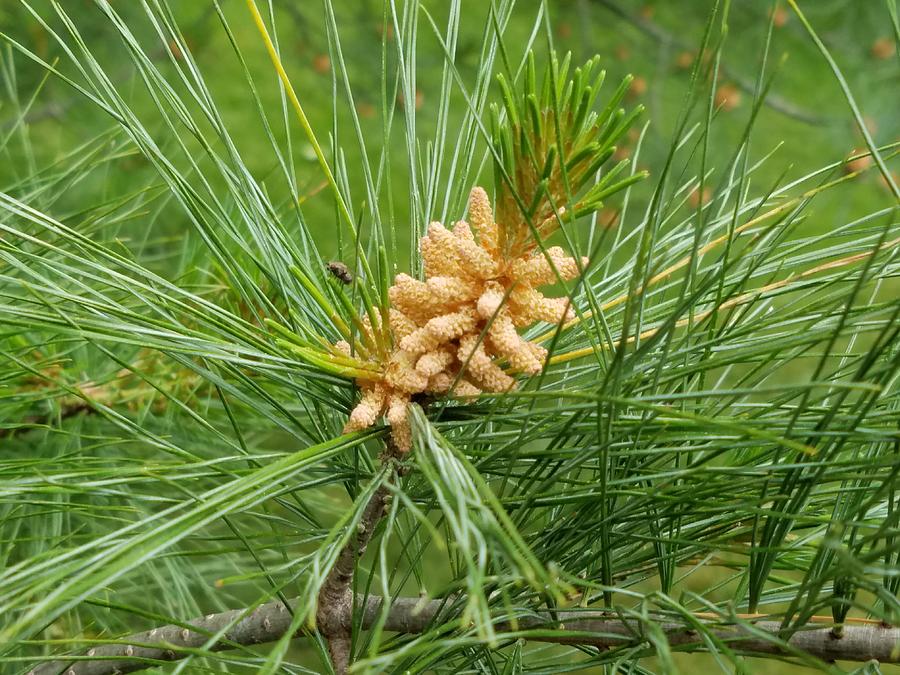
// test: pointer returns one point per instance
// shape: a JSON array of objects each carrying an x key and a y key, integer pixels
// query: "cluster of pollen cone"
[{"x": 455, "y": 333}]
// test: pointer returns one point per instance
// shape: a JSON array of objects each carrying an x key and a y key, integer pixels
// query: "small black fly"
[{"x": 340, "y": 271}]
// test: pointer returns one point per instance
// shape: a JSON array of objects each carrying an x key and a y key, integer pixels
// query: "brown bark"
[
  {"x": 269, "y": 622},
  {"x": 335, "y": 603},
  {"x": 334, "y": 611}
]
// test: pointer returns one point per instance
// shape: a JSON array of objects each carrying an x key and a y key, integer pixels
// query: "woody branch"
[{"x": 270, "y": 621}]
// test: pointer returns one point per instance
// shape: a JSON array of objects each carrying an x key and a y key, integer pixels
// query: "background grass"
[{"x": 806, "y": 115}]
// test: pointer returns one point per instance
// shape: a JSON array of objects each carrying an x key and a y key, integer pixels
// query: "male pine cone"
[{"x": 453, "y": 332}]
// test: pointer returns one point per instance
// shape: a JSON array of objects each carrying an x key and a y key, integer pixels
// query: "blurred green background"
[{"x": 805, "y": 120}]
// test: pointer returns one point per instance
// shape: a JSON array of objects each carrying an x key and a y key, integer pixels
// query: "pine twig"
[
  {"x": 335, "y": 602},
  {"x": 269, "y": 622}
]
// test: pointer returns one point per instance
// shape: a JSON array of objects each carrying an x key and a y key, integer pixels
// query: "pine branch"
[
  {"x": 31, "y": 422},
  {"x": 335, "y": 603},
  {"x": 269, "y": 622}
]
